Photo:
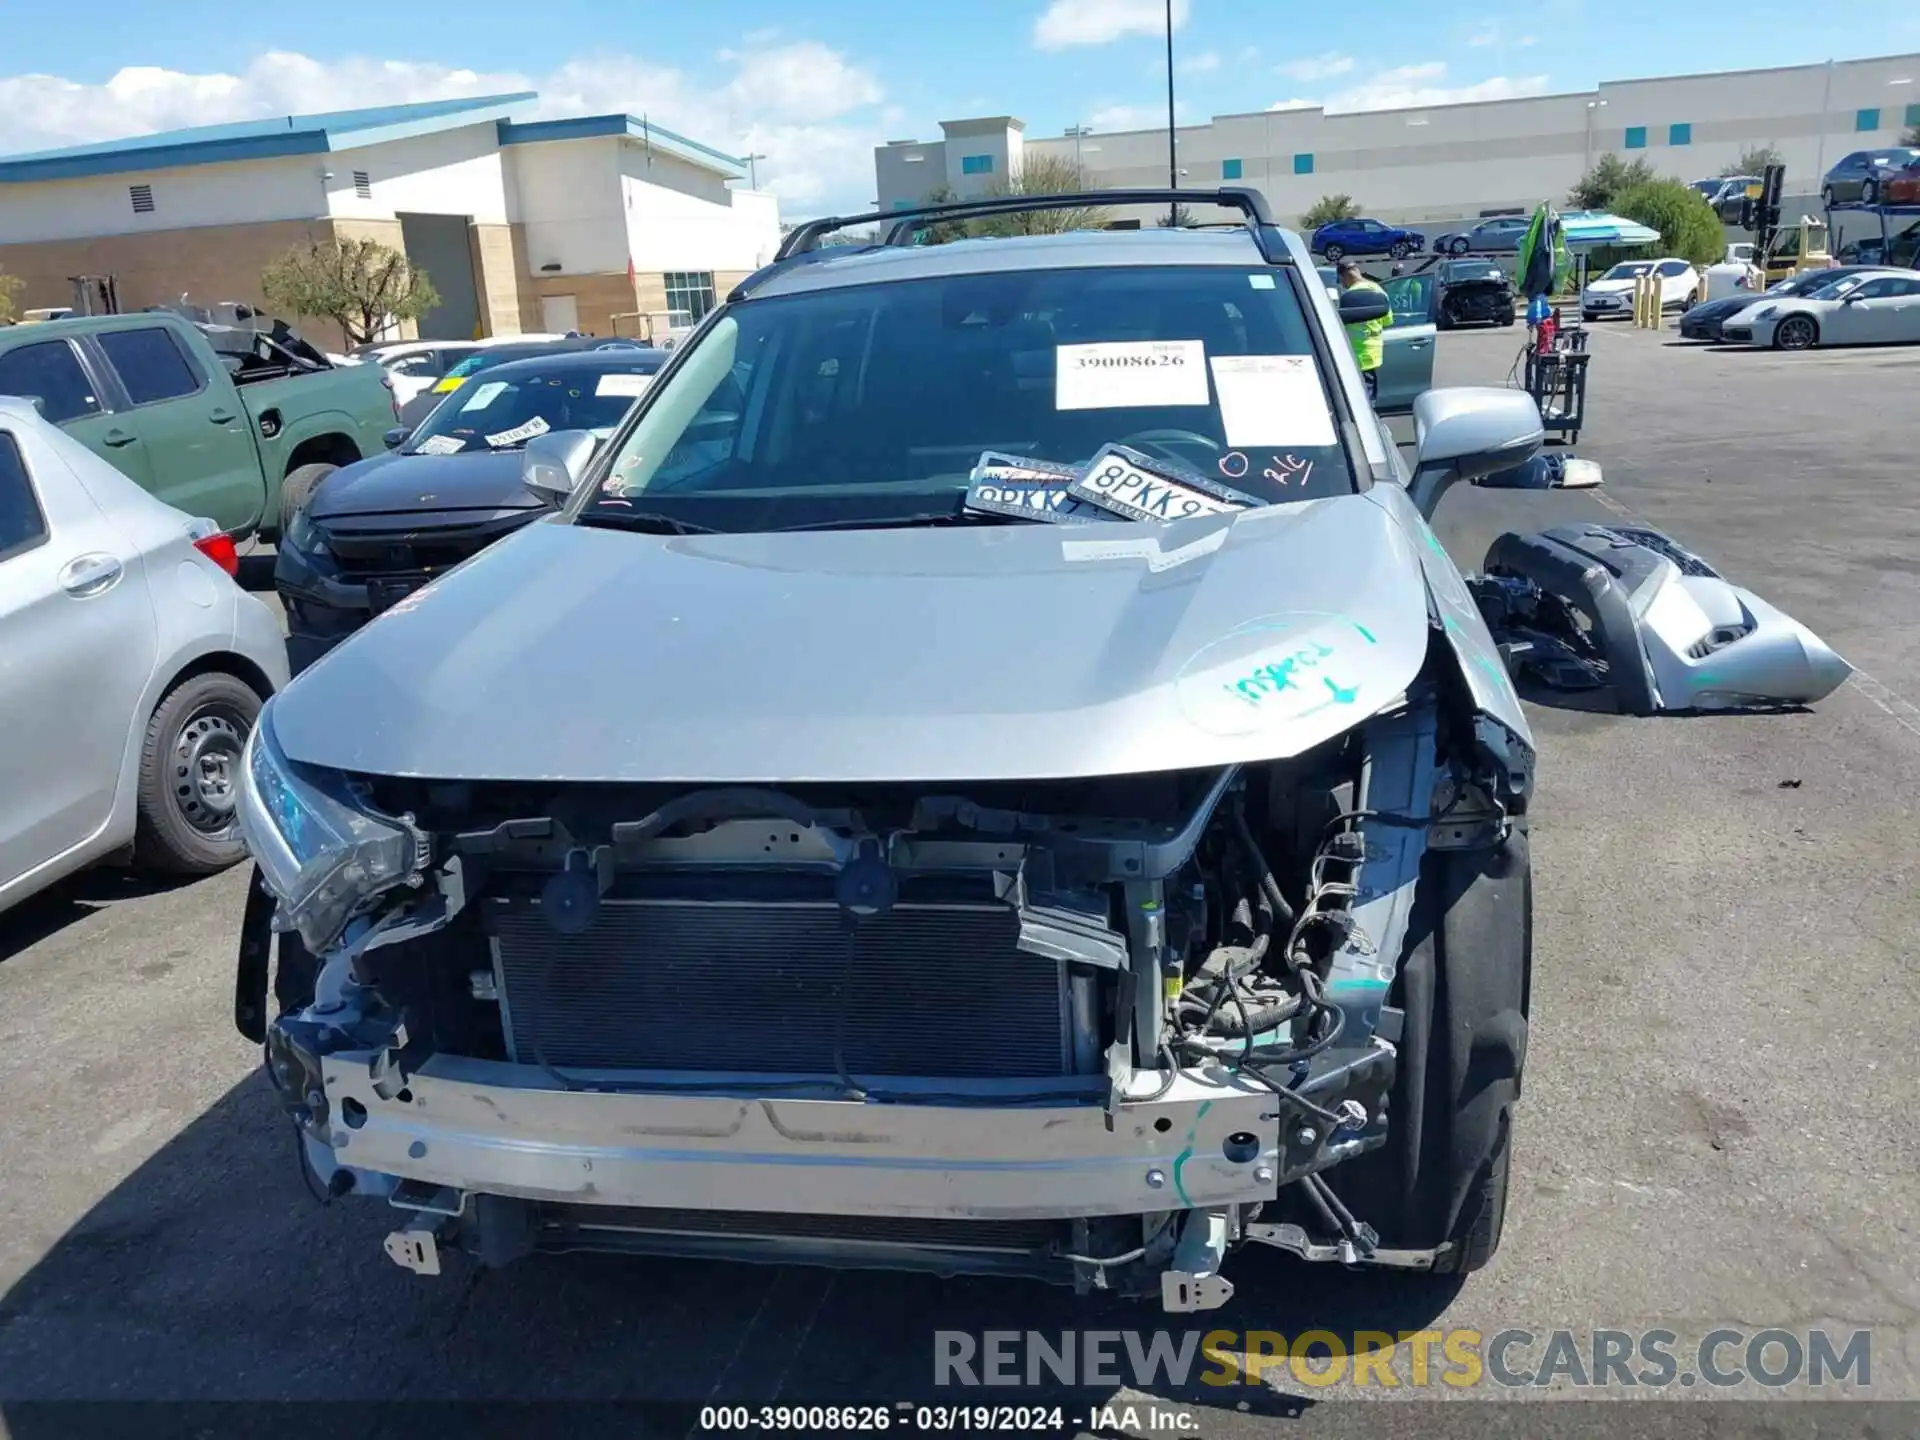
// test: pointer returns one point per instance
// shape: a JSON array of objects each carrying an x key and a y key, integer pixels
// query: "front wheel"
[
  {"x": 1399, "y": 250},
  {"x": 1869, "y": 192},
  {"x": 298, "y": 488},
  {"x": 1334, "y": 252},
  {"x": 189, "y": 773},
  {"x": 1460, "y": 246},
  {"x": 1464, "y": 990},
  {"x": 1826, "y": 197},
  {"x": 1796, "y": 332}
]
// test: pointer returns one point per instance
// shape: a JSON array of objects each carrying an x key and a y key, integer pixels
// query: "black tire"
[
  {"x": 1464, "y": 987},
  {"x": 1869, "y": 192},
  {"x": 1796, "y": 332},
  {"x": 1399, "y": 250},
  {"x": 1334, "y": 252},
  {"x": 296, "y": 489},
  {"x": 1509, "y": 318},
  {"x": 1461, "y": 246},
  {"x": 1443, "y": 320},
  {"x": 189, "y": 766},
  {"x": 1826, "y": 197}
]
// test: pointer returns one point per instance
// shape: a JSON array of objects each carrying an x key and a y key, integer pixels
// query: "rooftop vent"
[{"x": 362, "y": 185}]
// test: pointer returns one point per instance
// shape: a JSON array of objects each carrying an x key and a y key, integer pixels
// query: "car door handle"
[
  {"x": 117, "y": 438},
  {"x": 223, "y": 417},
  {"x": 1418, "y": 344},
  {"x": 90, "y": 575}
]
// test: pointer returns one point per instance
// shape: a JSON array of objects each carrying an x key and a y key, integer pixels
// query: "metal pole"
[
  {"x": 1173, "y": 158},
  {"x": 1820, "y": 160}
]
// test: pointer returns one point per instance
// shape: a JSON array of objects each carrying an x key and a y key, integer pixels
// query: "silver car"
[
  {"x": 989, "y": 769},
  {"x": 131, "y": 668},
  {"x": 1864, "y": 308}
]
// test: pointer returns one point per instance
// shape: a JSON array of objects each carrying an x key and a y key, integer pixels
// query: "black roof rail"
[
  {"x": 783, "y": 261},
  {"x": 901, "y": 224}
]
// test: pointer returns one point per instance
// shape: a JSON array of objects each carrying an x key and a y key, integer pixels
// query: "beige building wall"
[{"x": 496, "y": 279}]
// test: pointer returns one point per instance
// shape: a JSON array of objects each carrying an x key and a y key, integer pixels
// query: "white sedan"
[
  {"x": 1612, "y": 293},
  {"x": 1870, "y": 308},
  {"x": 131, "y": 668}
]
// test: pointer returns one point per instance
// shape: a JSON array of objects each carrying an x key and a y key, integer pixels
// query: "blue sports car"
[{"x": 1365, "y": 237}]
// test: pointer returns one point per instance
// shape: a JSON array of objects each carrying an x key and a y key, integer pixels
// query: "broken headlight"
[{"x": 322, "y": 853}]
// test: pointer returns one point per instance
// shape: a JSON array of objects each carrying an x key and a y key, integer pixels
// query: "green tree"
[
  {"x": 360, "y": 285},
  {"x": 1042, "y": 175},
  {"x": 1689, "y": 230},
  {"x": 1327, "y": 209},
  {"x": 10, "y": 286},
  {"x": 1608, "y": 177},
  {"x": 1753, "y": 162},
  {"x": 1177, "y": 218}
]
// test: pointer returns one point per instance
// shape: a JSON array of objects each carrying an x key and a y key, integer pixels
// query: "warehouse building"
[
  {"x": 602, "y": 223},
  {"x": 1451, "y": 161}
]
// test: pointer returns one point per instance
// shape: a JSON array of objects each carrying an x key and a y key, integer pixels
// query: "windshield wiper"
[
  {"x": 649, "y": 522},
  {"x": 904, "y": 522}
]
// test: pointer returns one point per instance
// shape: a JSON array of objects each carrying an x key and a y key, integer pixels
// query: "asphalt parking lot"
[{"x": 1717, "y": 1127}]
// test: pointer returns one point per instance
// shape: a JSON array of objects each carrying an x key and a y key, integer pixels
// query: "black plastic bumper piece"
[{"x": 1586, "y": 568}]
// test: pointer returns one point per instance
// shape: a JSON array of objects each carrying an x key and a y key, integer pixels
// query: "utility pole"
[
  {"x": 1079, "y": 132},
  {"x": 1173, "y": 159},
  {"x": 753, "y": 174}
]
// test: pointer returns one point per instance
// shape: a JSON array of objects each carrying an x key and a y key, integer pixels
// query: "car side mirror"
[
  {"x": 553, "y": 463},
  {"x": 1362, "y": 304},
  {"x": 1850, "y": 297},
  {"x": 396, "y": 437},
  {"x": 1468, "y": 433}
]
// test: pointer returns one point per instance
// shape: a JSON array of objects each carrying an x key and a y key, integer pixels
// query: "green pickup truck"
[{"x": 233, "y": 424}]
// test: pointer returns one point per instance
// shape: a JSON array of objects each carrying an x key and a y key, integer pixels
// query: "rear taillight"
[{"x": 214, "y": 543}]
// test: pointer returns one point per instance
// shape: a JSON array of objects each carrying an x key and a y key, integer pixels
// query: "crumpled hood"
[
  {"x": 992, "y": 652},
  {"x": 487, "y": 480}
]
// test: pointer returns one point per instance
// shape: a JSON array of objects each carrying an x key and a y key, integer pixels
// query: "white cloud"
[
  {"x": 1098, "y": 22},
  {"x": 1317, "y": 67},
  {"x": 806, "y": 107},
  {"x": 1294, "y": 104},
  {"x": 1526, "y": 40},
  {"x": 1203, "y": 63}
]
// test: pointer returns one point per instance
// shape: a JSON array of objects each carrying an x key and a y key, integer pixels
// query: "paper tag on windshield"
[
  {"x": 1139, "y": 488},
  {"x": 623, "y": 382},
  {"x": 1130, "y": 374},
  {"x": 533, "y": 427},
  {"x": 1271, "y": 400},
  {"x": 483, "y": 395},
  {"x": 440, "y": 445}
]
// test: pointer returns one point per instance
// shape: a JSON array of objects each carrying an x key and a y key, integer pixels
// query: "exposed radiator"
[{"x": 665, "y": 981}]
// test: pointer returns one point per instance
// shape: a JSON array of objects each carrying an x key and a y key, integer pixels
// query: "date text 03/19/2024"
[{"x": 907, "y": 1416}]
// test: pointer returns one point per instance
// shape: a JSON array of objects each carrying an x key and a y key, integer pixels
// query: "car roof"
[
  {"x": 565, "y": 360},
  {"x": 1075, "y": 250}
]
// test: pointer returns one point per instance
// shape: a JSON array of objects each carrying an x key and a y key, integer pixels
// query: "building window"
[
  {"x": 689, "y": 295},
  {"x": 903, "y": 204},
  {"x": 142, "y": 197},
  {"x": 1867, "y": 119},
  {"x": 1229, "y": 169},
  {"x": 1913, "y": 114},
  {"x": 976, "y": 164},
  {"x": 363, "y": 184},
  {"x": 1636, "y": 137},
  {"x": 1303, "y": 164},
  {"x": 1679, "y": 134}
]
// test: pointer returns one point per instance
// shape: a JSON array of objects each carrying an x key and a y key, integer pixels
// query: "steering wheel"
[{"x": 1161, "y": 441}]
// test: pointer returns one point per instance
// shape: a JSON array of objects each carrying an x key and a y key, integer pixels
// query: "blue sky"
[{"x": 814, "y": 87}]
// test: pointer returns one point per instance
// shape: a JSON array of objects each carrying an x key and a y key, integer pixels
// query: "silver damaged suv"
[{"x": 988, "y": 769}]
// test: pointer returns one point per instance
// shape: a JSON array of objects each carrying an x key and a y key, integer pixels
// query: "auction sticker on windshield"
[
  {"x": 440, "y": 445},
  {"x": 1272, "y": 400},
  {"x": 483, "y": 395},
  {"x": 533, "y": 427},
  {"x": 623, "y": 382},
  {"x": 1131, "y": 484},
  {"x": 1129, "y": 374}
]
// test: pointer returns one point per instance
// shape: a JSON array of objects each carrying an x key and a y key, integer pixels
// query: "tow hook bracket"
[
  {"x": 1296, "y": 1241},
  {"x": 415, "y": 1249},
  {"x": 1194, "y": 1282}
]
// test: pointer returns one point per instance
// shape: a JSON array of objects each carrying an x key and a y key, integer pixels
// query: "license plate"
[
  {"x": 385, "y": 594},
  {"x": 1139, "y": 488},
  {"x": 1029, "y": 489}
]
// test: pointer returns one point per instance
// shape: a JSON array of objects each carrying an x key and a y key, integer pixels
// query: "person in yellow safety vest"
[{"x": 1369, "y": 348}]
